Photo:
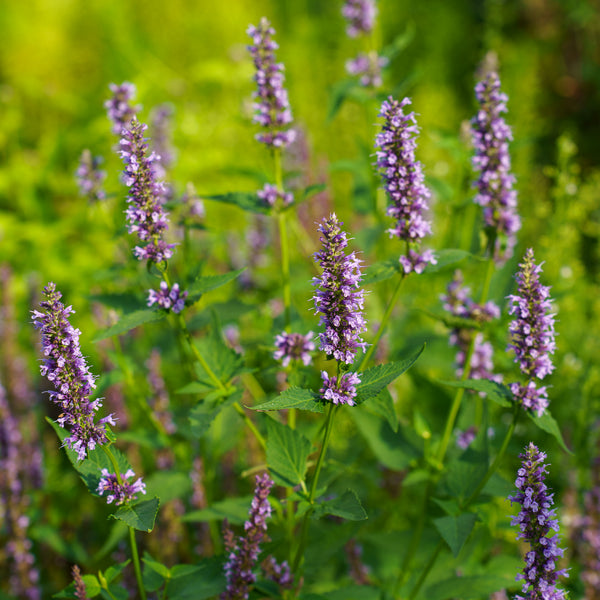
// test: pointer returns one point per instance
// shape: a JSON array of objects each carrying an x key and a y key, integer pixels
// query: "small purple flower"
[
  {"x": 66, "y": 368},
  {"x": 280, "y": 573},
  {"x": 340, "y": 389},
  {"x": 338, "y": 297},
  {"x": 532, "y": 334},
  {"x": 360, "y": 15},
  {"x": 145, "y": 214},
  {"x": 120, "y": 493},
  {"x": 368, "y": 67},
  {"x": 494, "y": 186},
  {"x": 294, "y": 346},
  {"x": 270, "y": 194},
  {"x": 170, "y": 299},
  {"x": 404, "y": 182},
  {"x": 119, "y": 108},
  {"x": 465, "y": 438},
  {"x": 535, "y": 520},
  {"x": 90, "y": 177},
  {"x": 272, "y": 106},
  {"x": 243, "y": 551}
]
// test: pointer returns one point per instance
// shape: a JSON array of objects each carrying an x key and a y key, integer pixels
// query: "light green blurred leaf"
[{"x": 287, "y": 451}]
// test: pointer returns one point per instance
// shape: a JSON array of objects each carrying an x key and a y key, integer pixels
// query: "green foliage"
[
  {"x": 139, "y": 515},
  {"x": 287, "y": 451}
]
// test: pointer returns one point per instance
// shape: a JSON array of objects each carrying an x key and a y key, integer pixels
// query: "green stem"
[
  {"x": 250, "y": 424},
  {"x": 382, "y": 325},
  {"x": 425, "y": 572}
]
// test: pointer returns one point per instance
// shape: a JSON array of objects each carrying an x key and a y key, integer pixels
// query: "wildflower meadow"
[{"x": 299, "y": 300}]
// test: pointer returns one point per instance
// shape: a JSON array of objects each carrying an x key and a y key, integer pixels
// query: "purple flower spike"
[
  {"x": 270, "y": 194},
  {"x": 171, "y": 299},
  {"x": 272, "y": 106},
  {"x": 294, "y": 346},
  {"x": 532, "y": 334},
  {"x": 66, "y": 368},
  {"x": 145, "y": 215},
  {"x": 244, "y": 551},
  {"x": 120, "y": 493},
  {"x": 404, "y": 182},
  {"x": 340, "y": 389},
  {"x": 90, "y": 177},
  {"x": 495, "y": 184},
  {"x": 535, "y": 520},
  {"x": 119, "y": 108},
  {"x": 360, "y": 15},
  {"x": 338, "y": 297},
  {"x": 368, "y": 67}
]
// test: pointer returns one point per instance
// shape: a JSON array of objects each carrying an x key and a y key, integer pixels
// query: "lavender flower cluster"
[
  {"x": 119, "y": 109},
  {"x": 270, "y": 195},
  {"x": 532, "y": 334},
  {"x": 368, "y": 66},
  {"x": 294, "y": 346},
  {"x": 404, "y": 183},
  {"x": 120, "y": 493},
  {"x": 168, "y": 298},
  {"x": 66, "y": 368},
  {"x": 535, "y": 520},
  {"x": 458, "y": 303},
  {"x": 244, "y": 551},
  {"x": 495, "y": 191},
  {"x": 360, "y": 16},
  {"x": 272, "y": 106},
  {"x": 90, "y": 177}
]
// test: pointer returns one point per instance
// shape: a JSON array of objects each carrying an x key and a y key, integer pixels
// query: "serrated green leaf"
[
  {"x": 140, "y": 516},
  {"x": 455, "y": 529},
  {"x": 130, "y": 321},
  {"x": 247, "y": 201},
  {"x": 222, "y": 360},
  {"x": 380, "y": 271},
  {"x": 465, "y": 473},
  {"x": 92, "y": 588},
  {"x": 294, "y": 397},
  {"x": 208, "y": 283},
  {"x": 287, "y": 452},
  {"x": 498, "y": 393},
  {"x": 235, "y": 510},
  {"x": 383, "y": 405},
  {"x": 377, "y": 378},
  {"x": 347, "y": 506},
  {"x": 548, "y": 424},
  {"x": 202, "y": 415}
]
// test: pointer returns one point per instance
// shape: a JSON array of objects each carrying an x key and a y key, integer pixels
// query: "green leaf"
[
  {"x": 154, "y": 574},
  {"x": 196, "y": 582},
  {"x": 294, "y": 397},
  {"x": 130, "y": 321},
  {"x": 464, "y": 474},
  {"x": 377, "y": 378},
  {"x": 312, "y": 190},
  {"x": 287, "y": 451},
  {"x": 448, "y": 257},
  {"x": 383, "y": 405},
  {"x": 202, "y": 415},
  {"x": 498, "y": 393},
  {"x": 122, "y": 302},
  {"x": 347, "y": 506},
  {"x": 355, "y": 592},
  {"x": 235, "y": 510},
  {"x": 455, "y": 529},
  {"x": 548, "y": 424},
  {"x": 140, "y": 516},
  {"x": 92, "y": 588},
  {"x": 339, "y": 94},
  {"x": 211, "y": 282},
  {"x": 222, "y": 360},
  {"x": 248, "y": 201},
  {"x": 380, "y": 271},
  {"x": 168, "y": 485}
]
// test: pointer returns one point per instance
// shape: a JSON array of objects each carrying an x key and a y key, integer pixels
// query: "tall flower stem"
[
  {"x": 313, "y": 487},
  {"x": 134, "y": 549}
]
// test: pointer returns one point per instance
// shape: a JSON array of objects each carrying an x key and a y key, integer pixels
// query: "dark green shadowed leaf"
[
  {"x": 383, "y": 405},
  {"x": 140, "y": 516},
  {"x": 130, "y": 321},
  {"x": 548, "y": 424},
  {"x": 287, "y": 451},
  {"x": 347, "y": 506},
  {"x": 196, "y": 582},
  {"x": 201, "y": 417},
  {"x": 455, "y": 529},
  {"x": 498, "y": 393},
  {"x": 294, "y": 397}
]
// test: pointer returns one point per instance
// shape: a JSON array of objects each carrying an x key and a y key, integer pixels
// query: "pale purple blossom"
[
  {"x": 90, "y": 177},
  {"x": 66, "y": 368},
  {"x": 168, "y": 298},
  {"x": 535, "y": 520},
  {"x": 120, "y": 493},
  {"x": 280, "y": 573},
  {"x": 270, "y": 195},
  {"x": 272, "y": 107},
  {"x": 465, "y": 438},
  {"x": 340, "y": 389},
  {"x": 294, "y": 346},
  {"x": 494, "y": 185},
  {"x": 360, "y": 15},
  {"x": 404, "y": 182},
  {"x": 532, "y": 334},
  {"x": 368, "y": 67},
  {"x": 119, "y": 108}
]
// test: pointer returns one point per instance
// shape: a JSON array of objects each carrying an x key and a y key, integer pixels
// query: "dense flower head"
[
  {"x": 340, "y": 389},
  {"x": 90, "y": 178},
  {"x": 532, "y": 333},
  {"x": 66, "y": 368},
  {"x": 119, "y": 108},
  {"x": 294, "y": 346},
  {"x": 272, "y": 106},
  {"x": 338, "y": 297},
  {"x": 168, "y": 298},
  {"x": 360, "y": 15},
  {"x": 368, "y": 67},
  {"x": 535, "y": 520},
  {"x": 120, "y": 493},
  {"x": 404, "y": 181},
  {"x": 244, "y": 551},
  {"x": 145, "y": 214},
  {"x": 280, "y": 573},
  {"x": 270, "y": 194},
  {"x": 80, "y": 588},
  {"x": 495, "y": 192}
]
